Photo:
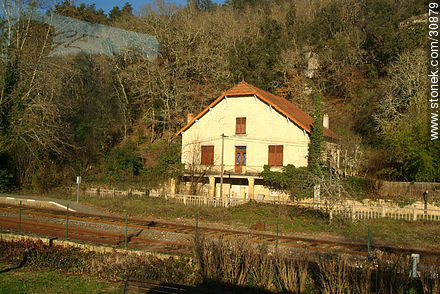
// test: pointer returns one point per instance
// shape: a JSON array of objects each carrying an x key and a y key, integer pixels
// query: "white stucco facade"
[{"x": 264, "y": 126}]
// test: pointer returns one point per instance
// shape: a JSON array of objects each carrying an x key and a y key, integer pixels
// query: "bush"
[
  {"x": 5, "y": 180},
  {"x": 114, "y": 266},
  {"x": 359, "y": 186},
  {"x": 255, "y": 268},
  {"x": 294, "y": 181},
  {"x": 46, "y": 177},
  {"x": 123, "y": 162},
  {"x": 166, "y": 163}
]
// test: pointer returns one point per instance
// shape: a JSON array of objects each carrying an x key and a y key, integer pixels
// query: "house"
[{"x": 245, "y": 128}]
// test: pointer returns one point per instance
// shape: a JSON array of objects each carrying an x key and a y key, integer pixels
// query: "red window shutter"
[
  {"x": 280, "y": 155},
  {"x": 271, "y": 160},
  {"x": 203, "y": 159},
  {"x": 240, "y": 125},
  {"x": 275, "y": 155},
  {"x": 211, "y": 155},
  {"x": 207, "y": 156}
]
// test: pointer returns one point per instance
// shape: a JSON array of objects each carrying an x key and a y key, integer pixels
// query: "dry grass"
[
  {"x": 430, "y": 278},
  {"x": 245, "y": 264}
]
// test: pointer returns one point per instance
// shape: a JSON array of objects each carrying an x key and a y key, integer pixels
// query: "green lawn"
[
  {"x": 291, "y": 219},
  {"x": 26, "y": 280}
]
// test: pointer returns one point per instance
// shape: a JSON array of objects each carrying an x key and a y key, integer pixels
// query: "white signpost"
[{"x": 78, "y": 181}]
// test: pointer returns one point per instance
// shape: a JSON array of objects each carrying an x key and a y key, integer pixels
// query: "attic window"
[{"x": 240, "y": 125}]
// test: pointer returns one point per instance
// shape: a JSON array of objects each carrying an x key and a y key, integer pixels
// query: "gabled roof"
[{"x": 293, "y": 112}]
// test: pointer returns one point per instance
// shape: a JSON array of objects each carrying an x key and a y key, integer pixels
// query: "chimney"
[
  {"x": 325, "y": 121},
  {"x": 190, "y": 117}
]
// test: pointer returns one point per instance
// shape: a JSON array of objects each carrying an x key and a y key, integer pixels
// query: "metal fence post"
[
  {"x": 126, "y": 225},
  {"x": 276, "y": 244},
  {"x": 67, "y": 222},
  {"x": 19, "y": 218}
]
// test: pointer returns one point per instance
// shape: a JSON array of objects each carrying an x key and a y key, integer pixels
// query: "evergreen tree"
[
  {"x": 127, "y": 9},
  {"x": 256, "y": 63},
  {"x": 115, "y": 13},
  {"x": 316, "y": 140}
]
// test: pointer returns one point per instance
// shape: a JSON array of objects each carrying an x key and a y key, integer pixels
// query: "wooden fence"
[
  {"x": 205, "y": 200},
  {"x": 406, "y": 189},
  {"x": 374, "y": 212}
]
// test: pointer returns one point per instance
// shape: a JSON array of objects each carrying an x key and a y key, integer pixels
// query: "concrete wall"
[{"x": 264, "y": 126}]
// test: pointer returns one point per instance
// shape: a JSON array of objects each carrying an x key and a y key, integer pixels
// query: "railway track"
[
  {"x": 94, "y": 236},
  {"x": 294, "y": 242}
]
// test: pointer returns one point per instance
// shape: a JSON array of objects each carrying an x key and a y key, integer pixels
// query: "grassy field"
[
  {"x": 291, "y": 220},
  {"x": 26, "y": 280}
]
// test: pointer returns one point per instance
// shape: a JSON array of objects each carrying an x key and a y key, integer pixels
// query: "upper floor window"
[
  {"x": 240, "y": 125},
  {"x": 275, "y": 155},
  {"x": 207, "y": 155}
]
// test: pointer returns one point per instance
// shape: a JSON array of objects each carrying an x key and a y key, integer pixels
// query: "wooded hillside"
[{"x": 116, "y": 117}]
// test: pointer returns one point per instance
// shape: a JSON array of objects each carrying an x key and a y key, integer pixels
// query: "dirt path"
[{"x": 45, "y": 202}]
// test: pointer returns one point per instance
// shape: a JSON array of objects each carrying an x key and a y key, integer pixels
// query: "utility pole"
[{"x": 222, "y": 167}]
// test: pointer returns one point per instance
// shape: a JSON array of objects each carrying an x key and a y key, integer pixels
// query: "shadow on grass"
[
  {"x": 150, "y": 286},
  {"x": 22, "y": 263}
]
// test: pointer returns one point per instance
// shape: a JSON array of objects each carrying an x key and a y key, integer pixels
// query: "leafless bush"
[
  {"x": 360, "y": 279},
  {"x": 246, "y": 264},
  {"x": 224, "y": 261},
  {"x": 430, "y": 278},
  {"x": 262, "y": 268},
  {"x": 390, "y": 269},
  {"x": 333, "y": 274},
  {"x": 383, "y": 273},
  {"x": 291, "y": 273}
]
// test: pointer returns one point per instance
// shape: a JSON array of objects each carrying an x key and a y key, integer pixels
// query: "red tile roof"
[{"x": 294, "y": 113}]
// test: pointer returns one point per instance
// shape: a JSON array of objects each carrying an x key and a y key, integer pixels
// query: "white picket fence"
[
  {"x": 205, "y": 200},
  {"x": 373, "y": 212},
  {"x": 353, "y": 211}
]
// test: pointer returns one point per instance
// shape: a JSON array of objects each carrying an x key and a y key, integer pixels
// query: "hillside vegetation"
[{"x": 116, "y": 117}]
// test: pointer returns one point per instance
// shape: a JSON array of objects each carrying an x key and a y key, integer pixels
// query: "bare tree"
[{"x": 193, "y": 167}]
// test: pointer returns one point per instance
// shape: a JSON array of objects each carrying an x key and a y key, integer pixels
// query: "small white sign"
[{"x": 78, "y": 180}]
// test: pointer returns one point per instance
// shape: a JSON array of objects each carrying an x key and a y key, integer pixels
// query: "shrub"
[
  {"x": 166, "y": 164},
  {"x": 123, "y": 162},
  {"x": 46, "y": 177},
  {"x": 5, "y": 180},
  {"x": 114, "y": 266},
  {"x": 244, "y": 263},
  {"x": 294, "y": 181},
  {"x": 359, "y": 186}
]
